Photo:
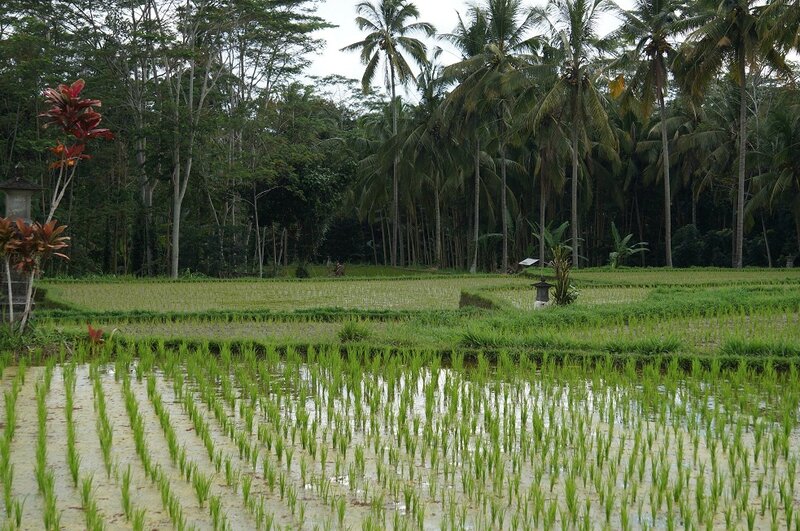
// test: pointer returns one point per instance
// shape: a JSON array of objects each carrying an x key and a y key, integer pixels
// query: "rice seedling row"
[{"x": 335, "y": 439}]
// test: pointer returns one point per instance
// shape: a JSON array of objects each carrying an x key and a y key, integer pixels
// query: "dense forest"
[{"x": 681, "y": 127}]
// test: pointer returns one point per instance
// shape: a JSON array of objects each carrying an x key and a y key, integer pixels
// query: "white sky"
[{"x": 440, "y": 13}]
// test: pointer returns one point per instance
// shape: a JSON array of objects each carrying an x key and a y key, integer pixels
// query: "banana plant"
[{"x": 622, "y": 249}]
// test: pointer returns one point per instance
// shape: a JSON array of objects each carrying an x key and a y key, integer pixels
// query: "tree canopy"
[{"x": 680, "y": 129}]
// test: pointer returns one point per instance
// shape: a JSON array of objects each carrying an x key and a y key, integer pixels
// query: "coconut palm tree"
[
  {"x": 470, "y": 37},
  {"x": 573, "y": 25},
  {"x": 779, "y": 184},
  {"x": 489, "y": 76},
  {"x": 729, "y": 32},
  {"x": 650, "y": 26},
  {"x": 390, "y": 24},
  {"x": 429, "y": 148},
  {"x": 781, "y": 21},
  {"x": 546, "y": 145}
]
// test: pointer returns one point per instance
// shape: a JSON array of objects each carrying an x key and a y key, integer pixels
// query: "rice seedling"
[
  {"x": 201, "y": 484},
  {"x": 105, "y": 431},
  {"x": 137, "y": 520},
  {"x": 127, "y": 506}
]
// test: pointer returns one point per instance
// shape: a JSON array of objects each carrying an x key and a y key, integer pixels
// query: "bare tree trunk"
[
  {"x": 176, "y": 214},
  {"x": 10, "y": 291},
  {"x": 180, "y": 182},
  {"x": 146, "y": 196},
  {"x": 274, "y": 249},
  {"x": 26, "y": 314},
  {"x": 260, "y": 248},
  {"x": 474, "y": 267}
]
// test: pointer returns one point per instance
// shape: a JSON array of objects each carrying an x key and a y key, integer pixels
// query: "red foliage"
[
  {"x": 95, "y": 335},
  {"x": 68, "y": 156},
  {"x": 75, "y": 116},
  {"x": 30, "y": 245}
]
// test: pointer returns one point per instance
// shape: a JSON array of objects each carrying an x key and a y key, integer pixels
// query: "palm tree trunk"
[
  {"x": 438, "y": 236},
  {"x": 574, "y": 193},
  {"x": 737, "y": 258},
  {"x": 797, "y": 229},
  {"x": 374, "y": 243},
  {"x": 474, "y": 267},
  {"x": 766, "y": 241},
  {"x": 667, "y": 187},
  {"x": 383, "y": 236},
  {"x": 395, "y": 184},
  {"x": 503, "y": 203},
  {"x": 542, "y": 206}
]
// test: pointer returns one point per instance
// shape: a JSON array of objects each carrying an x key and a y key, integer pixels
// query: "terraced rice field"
[
  {"x": 284, "y": 295},
  {"x": 660, "y": 400}
]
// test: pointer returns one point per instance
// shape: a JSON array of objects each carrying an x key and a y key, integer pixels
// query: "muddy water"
[{"x": 413, "y": 447}]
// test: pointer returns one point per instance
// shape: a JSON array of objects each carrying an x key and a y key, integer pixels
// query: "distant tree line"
[{"x": 681, "y": 127}]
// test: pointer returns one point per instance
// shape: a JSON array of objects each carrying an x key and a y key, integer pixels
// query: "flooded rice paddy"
[{"x": 160, "y": 437}]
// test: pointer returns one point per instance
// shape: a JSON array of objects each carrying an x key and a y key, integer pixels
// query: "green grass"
[
  {"x": 684, "y": 277},
  {"x": 618, "y": 311},
  {"x": 277, "y": 295}
]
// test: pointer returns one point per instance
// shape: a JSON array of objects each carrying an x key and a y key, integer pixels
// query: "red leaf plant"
[
  {"x": 26, "y": 247},
  {"x": 79, "y": 121},
  {"x": 95, "y": 335},
  {"x": 72, "y": 114}
]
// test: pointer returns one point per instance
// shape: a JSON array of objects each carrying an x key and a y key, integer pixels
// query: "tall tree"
[
  {"x": 389, "y": 24},
  {"x": 491, "y": 78},
  {"x": 779, "y": 184},
  {"x": 729, "y": 32},
  {"x": 191, "y": 72},
  {"x": 427, "y": 143},
  {"x": 781, "y": 22},
  {"x": 470, "y": 37},
  {"x": 649, "y": 26},
  {"x": 573, "y": 23}
]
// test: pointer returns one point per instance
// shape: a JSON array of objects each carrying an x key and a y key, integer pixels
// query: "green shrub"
[
  {"x": 564, "y": 293},
  {"x": 302, "y": 271},
  {"x": 646, "y": 346},
  {"x": 760, "y": 347},
  {"x": 354, "y": 331}
]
